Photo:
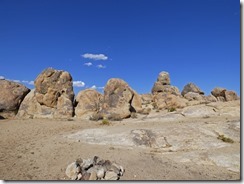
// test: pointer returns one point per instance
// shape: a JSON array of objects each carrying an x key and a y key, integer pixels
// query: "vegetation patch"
[
  {"x": 225, "y": 139},
  {"x": 171, "y": 109},
  {"x": 105, "y": 122}
]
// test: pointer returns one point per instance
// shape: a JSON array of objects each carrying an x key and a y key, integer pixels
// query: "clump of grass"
[
  {"x": 105, "y": 122},
  {"x": 225, "y": 139},
  {"x": 171, "y": 109}
]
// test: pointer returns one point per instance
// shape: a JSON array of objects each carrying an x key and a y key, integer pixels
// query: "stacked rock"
[{"x": 94, "y": 169}]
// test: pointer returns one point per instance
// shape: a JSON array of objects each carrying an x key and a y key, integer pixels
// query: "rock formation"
[
  {"x": 190, "y": 87},
  {"x": 120, "y": 100},
  {"x": 166, "y": 96},
  {"x": 52, "y": 98},
  {"x": 87, "y": 102},
  {"x": 11, "y": 96},
  {"x": 223, "y": 94}
]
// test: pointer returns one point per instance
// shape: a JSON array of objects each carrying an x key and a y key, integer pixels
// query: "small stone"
[
  {"x": 110, "y": 175},
  {"x": 100, "y": 173},
  {"x": 79, "y": 176},
  {"x": 86, "y": 176},
  {"x": 71, "y": 171},
  {"x": 93, "y": 176}
]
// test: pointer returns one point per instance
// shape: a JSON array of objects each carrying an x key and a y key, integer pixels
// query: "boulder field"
[{"x": 53, "y": 97}]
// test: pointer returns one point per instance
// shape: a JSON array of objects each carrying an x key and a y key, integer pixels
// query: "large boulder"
[
  {"x": 194, "y": 96},
  {"x": 11, "y": 96},
  {"x": 190, "y": 87},
  {"x": 168, "y": 101},
  {"x": 120, "y": 99},
  {"x": 52, "y": 98},
  {"x": 87, "y": 102},
  {"x": 231, "y": 95},
  {"x": 162, "y": 80},
  {"x": 218, "y": 92}
]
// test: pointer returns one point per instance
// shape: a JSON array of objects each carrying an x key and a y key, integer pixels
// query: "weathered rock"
[
  {"x": 72, "y": 171},
  {"x": 231, "y": 95},
  {"x": 146, "y": 99},
  {"x": 100, "y": 173},
  {"x": 120, "y": 99},
  {"x": 158, "y": 88},
  {"x": 11, "y": 96},
  {"x": 87, "y": 103},
  {"x": 221, "y": 98},
  {"x": 217, "y": 92},
  {"x": 93, "y": 176},
  {"x": 111, "y": 175},
  {"x": 210, "y": 98},
  {"x": 164, "y": 78},
  {"x": 166, "y": 101},
  {"x": 190, "y": 87},
  {"x": 52, "y": 98},
  {"x": 194, "y": 96}
]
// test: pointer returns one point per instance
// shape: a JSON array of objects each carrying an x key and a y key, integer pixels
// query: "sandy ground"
[{"x": 161, "y": 146}]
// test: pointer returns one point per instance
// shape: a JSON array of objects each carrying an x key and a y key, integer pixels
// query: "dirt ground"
[{"x": 160, "y": 146}]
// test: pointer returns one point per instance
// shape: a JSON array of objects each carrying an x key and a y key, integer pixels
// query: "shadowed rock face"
[
  {"x": 120, "y": 99},
  {"x": 11, "y": 96},
  {"x": 52, "y": 98}
]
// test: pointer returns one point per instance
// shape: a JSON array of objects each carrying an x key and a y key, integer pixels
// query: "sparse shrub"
[
  {"x": 171, "y": 109},
  {"x": 157, "y": 110},
  {"x": 225, "y": 139},
  {"x": 105, "y": 122}
]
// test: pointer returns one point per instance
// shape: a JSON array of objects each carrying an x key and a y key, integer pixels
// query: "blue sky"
[{"x": 95, "y": 40}]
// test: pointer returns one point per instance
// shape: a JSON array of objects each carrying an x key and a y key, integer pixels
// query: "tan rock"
[
  {"x": 11, "y": 96},
  {"x": 190, "y": 87},
  {"x": 120, "y": 99},
  {"x": 88, "y": 102},
  {"x": 52, "y": 98},
  {"x": 231, "y": 95},
  {"x": 217, "y": 92}
]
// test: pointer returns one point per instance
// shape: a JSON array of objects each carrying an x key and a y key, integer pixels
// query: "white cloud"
[
  {"x": 28, "y": 82},
  {"x": 2, "y": 77},
  {"x": 88, "y": 64},
  {"x": 95, "y": 56},
  {"x": 18, "y": 81},
  {"x": 101, "y": 66},
  {"x": 78, "y": 84},
  {"x": 95, "y": 87}
]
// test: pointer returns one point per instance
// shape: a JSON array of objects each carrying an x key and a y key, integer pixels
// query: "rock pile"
[
  {"x": 94, "y": 169},
  {"x": 223, "y": 94},
  {"x": 11, "y": 96},
  {"x": 52, "y": 97}
]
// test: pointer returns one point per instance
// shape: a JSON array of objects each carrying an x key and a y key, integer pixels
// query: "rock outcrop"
[
  {"x": 52, "y": 97},
  {"x": 120, "y": 100},
  {"x": 166, "y": 96},
  {"x": 87, "y": 102},
  {"x": 11, "y": 96},
  {"x": 190, "y": 87},
  {"x": 223, "y": 94}
]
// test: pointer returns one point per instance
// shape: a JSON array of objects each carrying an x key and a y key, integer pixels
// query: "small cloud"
[
  {"x": 95, "y": 87},
  {"x": 18, "y": 81},
  {"x": 101, "y": 66},
  {"x": 88, "y": 64},
  {"x": 2, "y": 78},
  {"x": 78, "y": 84},
  {"x": 28, "y": 82},
  {"x": 95, "y": 56}
]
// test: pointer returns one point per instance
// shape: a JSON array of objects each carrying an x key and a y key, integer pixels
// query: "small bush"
[
  {"x": 171, "y": 109},
  {"x": 225, "y": 139},
  {"x": 105, "y": 122}
]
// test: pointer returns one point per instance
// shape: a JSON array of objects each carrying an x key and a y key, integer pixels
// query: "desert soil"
[{"x": 181, "y": 145}]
